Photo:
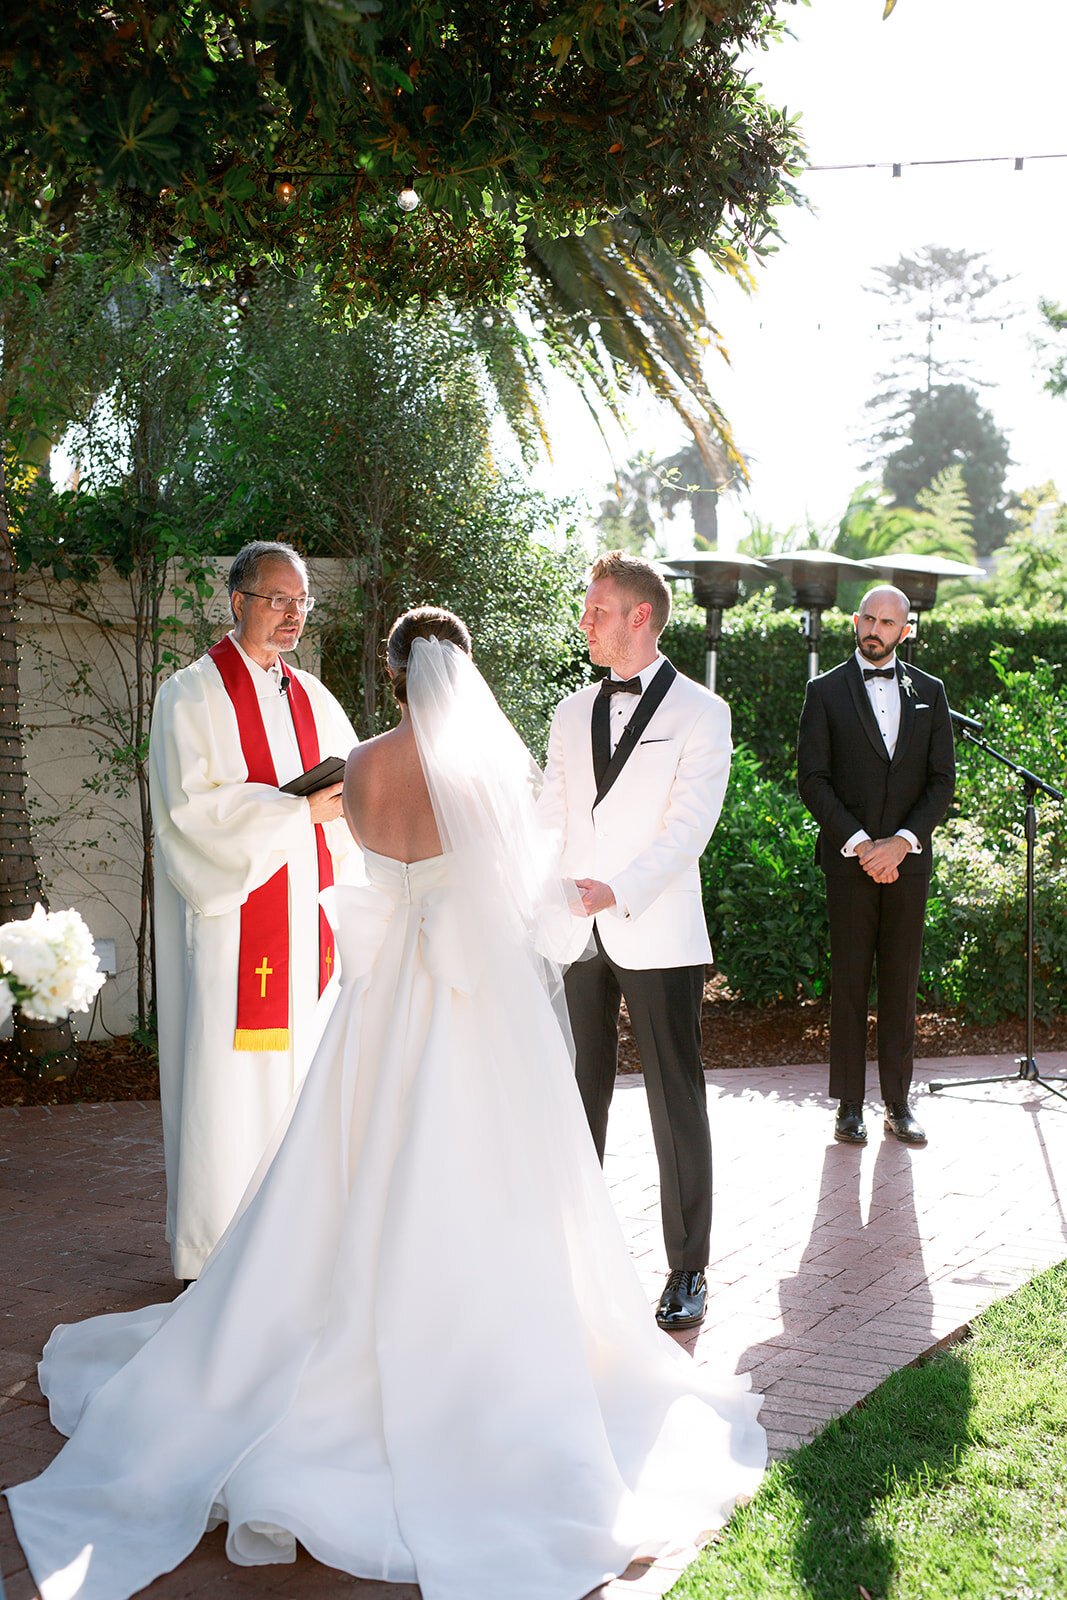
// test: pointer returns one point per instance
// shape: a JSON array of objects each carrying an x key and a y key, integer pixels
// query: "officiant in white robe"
[{"x": 245, "y": 961}]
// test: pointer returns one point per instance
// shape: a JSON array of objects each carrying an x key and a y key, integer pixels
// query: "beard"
[{"x": 874, "y": 649}]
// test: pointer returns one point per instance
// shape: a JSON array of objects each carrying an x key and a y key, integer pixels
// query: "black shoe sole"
[
  {"x": 848, "y": 1138},
  {"x": 906, "y": 1138},
  {"x": 680, "y": 1324}
]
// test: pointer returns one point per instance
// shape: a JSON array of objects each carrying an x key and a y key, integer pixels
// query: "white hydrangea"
[
  {"x": 49, "y": 964},
  {"x": 26, "y": 952},
  {"x": 7, "y": 1002}
]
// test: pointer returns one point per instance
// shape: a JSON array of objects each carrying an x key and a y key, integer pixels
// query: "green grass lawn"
[{"x": 948, "y": 1481}]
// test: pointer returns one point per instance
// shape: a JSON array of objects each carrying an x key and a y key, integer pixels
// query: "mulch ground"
[{"x": 734, "y": 1035}]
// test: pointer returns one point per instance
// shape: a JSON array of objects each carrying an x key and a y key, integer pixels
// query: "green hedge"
[
  {"x": 974, "y": 953},
  {"x": 763, "y": 894},
  {"x": 762, "y": 663},
  {"x": 1028, "y": 723}
]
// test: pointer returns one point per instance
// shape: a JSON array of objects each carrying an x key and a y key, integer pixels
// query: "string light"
[
  {"x": 407, "y": 199},
  {"x": 879, "y": 327},
  {"x": 944, "y": 161}
]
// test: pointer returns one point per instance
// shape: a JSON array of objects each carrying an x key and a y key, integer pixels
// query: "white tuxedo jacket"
[{"x": 646, "y": 836}]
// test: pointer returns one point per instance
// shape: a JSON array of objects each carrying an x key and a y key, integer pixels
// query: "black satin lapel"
[
  {"x": 636, "y": 726},
  {"x": 907, "y": 718},
  {"x": 857, "y": 689},
  {"x": 600, "y": 729}
]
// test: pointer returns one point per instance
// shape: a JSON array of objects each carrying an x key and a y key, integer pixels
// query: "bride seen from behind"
[
  {"x": 386, "y": 801},
  {"x": 420, "y": 1350}
]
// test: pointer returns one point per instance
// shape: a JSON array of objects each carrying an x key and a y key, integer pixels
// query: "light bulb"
[{"x": 407, "y": 199}]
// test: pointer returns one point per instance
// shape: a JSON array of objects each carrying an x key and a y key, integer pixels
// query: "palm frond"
[{"x": 605, "y": 313}]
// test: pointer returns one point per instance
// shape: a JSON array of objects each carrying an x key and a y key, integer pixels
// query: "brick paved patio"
[{"x": 831, "y": 1266}]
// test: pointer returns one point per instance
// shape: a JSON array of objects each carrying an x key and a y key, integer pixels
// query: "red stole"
[{"x": 263, "y": 958}]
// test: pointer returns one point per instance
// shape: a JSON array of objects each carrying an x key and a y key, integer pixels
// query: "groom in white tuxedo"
[{"x": 637, "y": 771}]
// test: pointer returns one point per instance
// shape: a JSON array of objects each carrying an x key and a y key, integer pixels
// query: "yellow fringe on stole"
[{"x": 261, "y": 1039}]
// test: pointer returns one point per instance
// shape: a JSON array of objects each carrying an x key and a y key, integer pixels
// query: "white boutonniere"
[{"x": 907, "y": 686}]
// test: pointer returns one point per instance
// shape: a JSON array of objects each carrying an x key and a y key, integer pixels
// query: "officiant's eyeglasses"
[{"x": 282, "y": 602}]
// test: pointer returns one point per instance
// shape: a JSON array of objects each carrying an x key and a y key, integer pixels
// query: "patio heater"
[
  {"x": 715, "y": 579},
  {"x": 813, "y": 576},
  {"x": 917, "y": 576}
]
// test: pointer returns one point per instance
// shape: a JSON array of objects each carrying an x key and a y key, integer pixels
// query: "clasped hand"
[
  {"x": 596, "y": 896},
  {"x": 880, "y": 858}
]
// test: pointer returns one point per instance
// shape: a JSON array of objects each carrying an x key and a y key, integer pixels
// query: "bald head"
[
  {"x": 881, "y": 622},
  {"x": 885, "y": 597}
]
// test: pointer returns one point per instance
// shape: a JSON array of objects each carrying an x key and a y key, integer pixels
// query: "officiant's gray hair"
[
  {"x": 639, "y": 579},
  {"x": 244, "y": 568},
  {"x": 424, "y": 622}
]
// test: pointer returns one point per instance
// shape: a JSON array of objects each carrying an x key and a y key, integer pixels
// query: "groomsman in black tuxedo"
[{"x": 876, "y": 768}]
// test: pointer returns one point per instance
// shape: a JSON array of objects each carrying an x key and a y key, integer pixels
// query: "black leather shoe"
[
  {"x": 899, "y": 1121},
  {"x": 683, "y": 1302},
  {"x": 849, "y": 1128}
]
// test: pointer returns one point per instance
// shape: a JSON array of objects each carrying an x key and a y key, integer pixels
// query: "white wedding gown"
[{"x": 421, "y": 1349}]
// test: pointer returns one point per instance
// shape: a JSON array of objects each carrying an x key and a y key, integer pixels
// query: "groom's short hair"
[{"x": 638, "y": 579}]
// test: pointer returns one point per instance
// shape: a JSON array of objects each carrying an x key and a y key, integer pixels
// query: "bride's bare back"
[{"x": 385, "y": 799}]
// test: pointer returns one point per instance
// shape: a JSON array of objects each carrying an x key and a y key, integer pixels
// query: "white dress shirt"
[
  {"x": 621, "y": 710},
  {"x": 884, "y": 696},
  {"x": 623, "y": 706}
]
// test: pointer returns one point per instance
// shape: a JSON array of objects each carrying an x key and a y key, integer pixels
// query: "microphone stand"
[{"x": 1028, "y": 1069}]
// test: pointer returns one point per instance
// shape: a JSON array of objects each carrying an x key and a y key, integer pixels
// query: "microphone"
[
  {"x": 285, "y": 685},
  {"x": 965, "y": 722}
]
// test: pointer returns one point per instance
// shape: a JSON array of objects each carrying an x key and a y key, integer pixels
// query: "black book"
[{"x": 332, "y": 770}]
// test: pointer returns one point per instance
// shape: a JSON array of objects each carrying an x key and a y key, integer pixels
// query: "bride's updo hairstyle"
[{"x": 424, "y": 622}]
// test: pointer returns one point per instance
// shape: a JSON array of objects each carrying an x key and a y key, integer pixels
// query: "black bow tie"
[
  {"x": 610, "y": 686},
  {"x": 877, "y": 672}
]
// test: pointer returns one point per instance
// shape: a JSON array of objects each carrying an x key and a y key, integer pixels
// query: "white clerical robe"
[{"x": 218, "y": 837}]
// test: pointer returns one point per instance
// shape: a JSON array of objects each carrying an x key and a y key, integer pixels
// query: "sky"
[{"x": 939, "y": 80}]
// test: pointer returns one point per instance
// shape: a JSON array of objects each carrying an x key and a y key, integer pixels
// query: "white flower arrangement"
[
  {"x": 907, "y": 685},
  {"x": 48, "y": 966}
]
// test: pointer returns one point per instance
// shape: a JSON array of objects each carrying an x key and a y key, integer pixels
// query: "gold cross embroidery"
[
  {"x": 263, "y": 973},
  {"x": 329, "y": 962}
]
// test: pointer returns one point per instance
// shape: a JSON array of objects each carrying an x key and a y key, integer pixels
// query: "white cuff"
[
  {"x": 913, "y": 844},
  {"x": 619, "y": 909},
  {"x": 849, "y": 847}
]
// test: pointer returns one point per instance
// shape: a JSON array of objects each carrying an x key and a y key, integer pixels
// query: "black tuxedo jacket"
[{"x": 844, "y": 773}]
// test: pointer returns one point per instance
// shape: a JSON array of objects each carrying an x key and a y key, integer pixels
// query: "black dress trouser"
[
  {"x": 664, "y": 1008},
  {"x": 874, "y": 927}
]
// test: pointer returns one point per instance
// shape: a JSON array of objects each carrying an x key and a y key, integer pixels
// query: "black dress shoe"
[
  {"x": 683, "y": 1302},
  {"x": 848, "y": 1127},
  {"x": 899, "y": 1120}
]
